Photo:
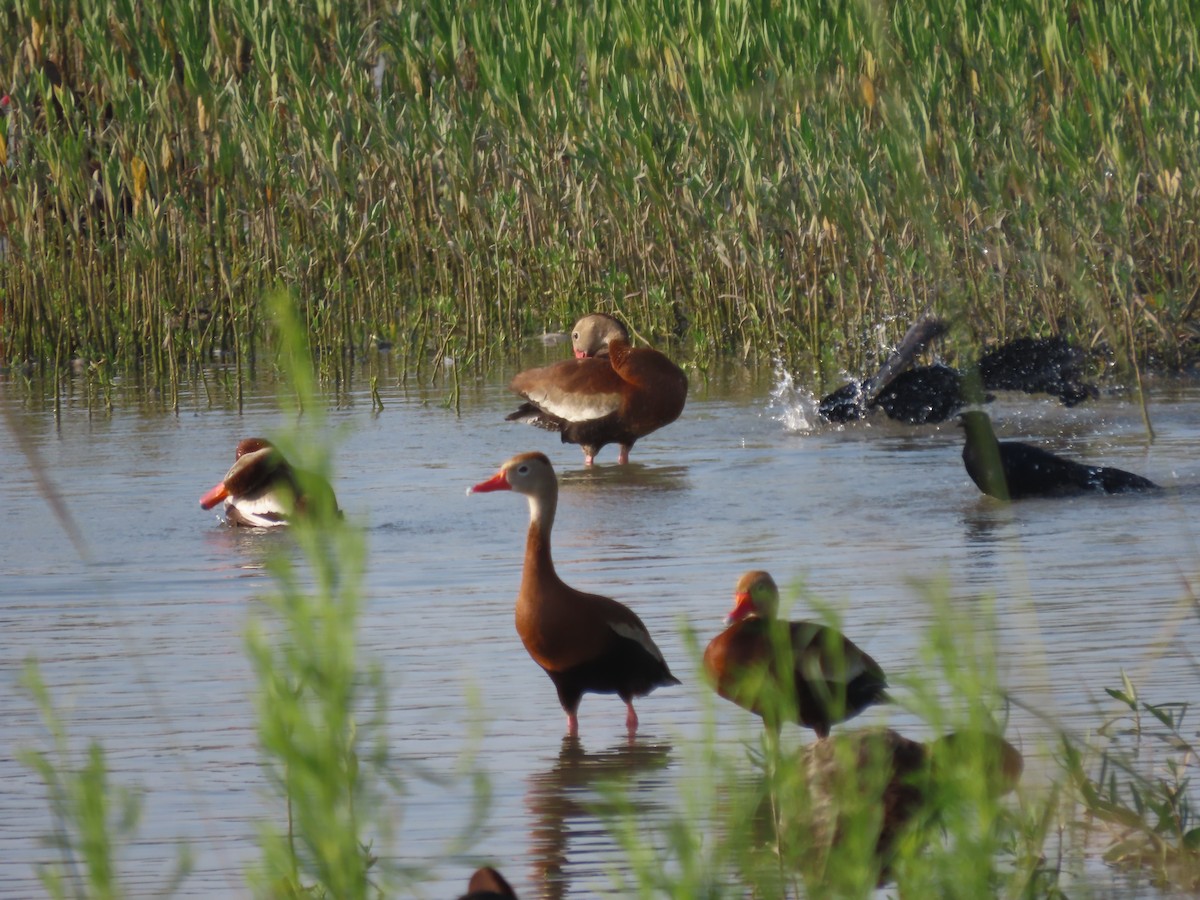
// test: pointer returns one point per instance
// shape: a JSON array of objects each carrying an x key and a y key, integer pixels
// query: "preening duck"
[
  {"x": 611, "y": 393},
  {"x": 261, "y": 489}
]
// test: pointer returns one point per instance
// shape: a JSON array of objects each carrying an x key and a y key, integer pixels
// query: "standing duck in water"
[
  {"x": 832, "y": 679},
  {"x": 1011, "y": 470},
  {"x": 261, "y": 489},
  {"x": 611, "y": 393},
  {"x": 586, "y": 643}
]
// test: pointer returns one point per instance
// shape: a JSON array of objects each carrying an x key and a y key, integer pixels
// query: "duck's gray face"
[
  {"x": 591, "y": 335},
  {"x": 522, "y": 474}
]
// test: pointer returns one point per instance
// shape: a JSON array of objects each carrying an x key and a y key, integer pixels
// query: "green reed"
[
  {"x": 754, "y": 178},
  {"x": 93, "y": 817},
  {"x": 1133, "y": 793},
  {"x": 320, "y": 702}
]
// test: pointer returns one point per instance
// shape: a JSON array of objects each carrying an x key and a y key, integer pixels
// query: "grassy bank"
[{"x": 755, "y": 178}]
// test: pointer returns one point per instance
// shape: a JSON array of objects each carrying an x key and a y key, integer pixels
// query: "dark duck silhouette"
[
  {"x": 586, "y": 643},
  {"x": 1037, "y": 365},
  {"x": 855, "y": 400},
  {"x": 832, "y": 679},
  {"x": 922, "y": 395},
  {"x": 488, "y": 884},
  {"x": 1011, "y": 470},
  {"x": 611, "y": 393}
]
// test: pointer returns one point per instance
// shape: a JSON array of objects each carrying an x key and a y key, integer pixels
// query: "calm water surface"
[{"x": 143, "y": 646}]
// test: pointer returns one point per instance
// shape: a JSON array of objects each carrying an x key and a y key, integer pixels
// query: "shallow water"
[{"x": 143, "y": 646}]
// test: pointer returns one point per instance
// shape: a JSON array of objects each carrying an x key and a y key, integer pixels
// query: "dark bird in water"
[
  {"x": 923, "y": 394},
  {"x": 1011, "y": 470},
  {"x": 1037, "y": 365},
  {"x": 808, "y": 670},
  {"x": 920, "y": 395},
  {"x": 856, "y": 399},
  {"x": 488, "y": 884},
  {"x": 611, "y": 393}
]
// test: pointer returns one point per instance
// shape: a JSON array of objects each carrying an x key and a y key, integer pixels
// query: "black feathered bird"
[{"x": 1011, "y": 470}]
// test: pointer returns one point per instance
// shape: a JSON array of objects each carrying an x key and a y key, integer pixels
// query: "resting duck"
[
  {"x": 833, "y": 679},
  {"x": 261, "y": 490},
  {"x": 1011, "y": 470},
  {"x": 611, "y": 393},
  {"x": 586, "y": 643},
  {"x": 488, "y": 884},
  {"x": 898, "y": 776}
]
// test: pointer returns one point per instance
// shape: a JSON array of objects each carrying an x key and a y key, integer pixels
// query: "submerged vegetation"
[{"x": 752, "y": 178}]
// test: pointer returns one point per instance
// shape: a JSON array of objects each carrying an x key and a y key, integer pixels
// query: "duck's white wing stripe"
[
  {"x": 573, "y": 405},
  {"x": 640, "y": 635}
]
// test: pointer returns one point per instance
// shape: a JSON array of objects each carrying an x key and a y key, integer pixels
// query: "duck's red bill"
[
  {"x": 743, "y": 606},
  {"x": 496, "y": 483},
  {"x": 215, "y": 496}
]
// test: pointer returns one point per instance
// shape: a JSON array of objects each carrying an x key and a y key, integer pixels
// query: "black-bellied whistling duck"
[
  {"x": 898, "y": 777},
  {"x": 833, "y": 680},
  {"x": 591, "y": 334},
  {"x": 611, "y": 393},
  {"x": 488, "y": 884},
  {"x": 586, "y": 643},
  {"x": 1011, "y": 470},
  {"x": 261, "y": 489}
]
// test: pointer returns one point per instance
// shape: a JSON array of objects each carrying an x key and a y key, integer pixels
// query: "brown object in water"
[
  {"x": 488, "y": 884},
  {"x": 831, "y": 678},
  {"x": 586, "y": 643},
  {"x": 611, "y": 393},
  {"x": 261, "y": 489}
]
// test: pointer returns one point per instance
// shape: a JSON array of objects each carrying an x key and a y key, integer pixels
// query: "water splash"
[{"x": 793, "y": 407}]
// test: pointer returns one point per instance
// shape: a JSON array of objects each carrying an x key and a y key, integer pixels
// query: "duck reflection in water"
[{"x": 563, "y": 801}]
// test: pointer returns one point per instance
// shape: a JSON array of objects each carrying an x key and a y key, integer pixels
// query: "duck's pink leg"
[
  {"x": 623, "y": 457},
  {"x": 572, "y": 724},
  {"x": 588, "y": 459},
  {"x": 631, "y": 719}
]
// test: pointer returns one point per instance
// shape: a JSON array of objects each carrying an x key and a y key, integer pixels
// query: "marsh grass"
[
  {"x": 741, "y": 178},
  {"x": 320, "y": 702},
  {"x": 1135, "y": 792},
  {"x": 93, "y": 817}
]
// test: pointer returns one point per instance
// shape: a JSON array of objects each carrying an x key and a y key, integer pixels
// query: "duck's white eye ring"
[
  {"x": 522, "y": 469},
  {"x": 575, "y": 336}
]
